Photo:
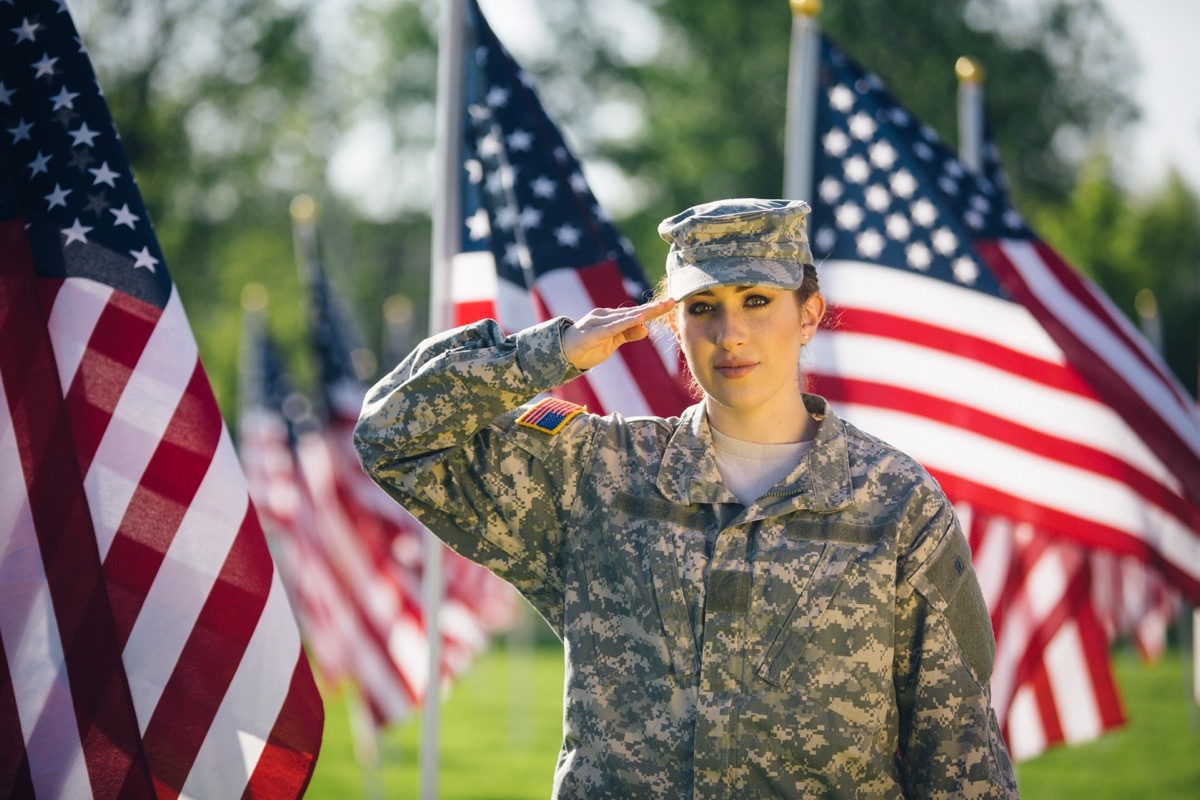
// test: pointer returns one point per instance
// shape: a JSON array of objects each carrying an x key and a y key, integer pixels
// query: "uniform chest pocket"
[
  {"x": 639, "y": 627},
  {"x": 836, "y": 644}
]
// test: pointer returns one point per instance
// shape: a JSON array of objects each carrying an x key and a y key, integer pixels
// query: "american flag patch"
[{"x": 550, "y": 415}]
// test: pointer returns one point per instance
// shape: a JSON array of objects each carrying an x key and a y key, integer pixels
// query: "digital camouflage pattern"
[
  {"x": 745, "y": 241},
  {"x": 829, "y": 640}
]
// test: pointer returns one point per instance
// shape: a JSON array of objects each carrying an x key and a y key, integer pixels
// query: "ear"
[{"x": 811, "y": 314}]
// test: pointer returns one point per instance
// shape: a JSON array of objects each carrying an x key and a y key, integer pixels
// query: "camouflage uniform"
[{"x": 829, "y": 640}]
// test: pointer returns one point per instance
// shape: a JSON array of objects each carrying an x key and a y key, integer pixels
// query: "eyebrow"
[{"x": 740, "y": 288}]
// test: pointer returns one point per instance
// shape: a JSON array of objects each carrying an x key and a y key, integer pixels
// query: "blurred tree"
[
  {"x": 716, "y": 96},
  {"x": 1128, "y": 243},
  {"x": 230, "y": 107}
]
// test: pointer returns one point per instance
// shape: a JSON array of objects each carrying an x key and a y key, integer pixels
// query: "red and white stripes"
[{"x": 149, "y": 646}]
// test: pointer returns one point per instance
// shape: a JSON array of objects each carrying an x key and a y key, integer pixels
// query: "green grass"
[{"x": 501, "y": 732}]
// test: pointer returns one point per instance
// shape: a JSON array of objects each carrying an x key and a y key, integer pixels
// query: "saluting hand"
[{"x": 601, "y": 331}]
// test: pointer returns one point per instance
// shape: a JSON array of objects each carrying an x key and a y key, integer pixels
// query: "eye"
[
  {"x": 757, "y": 300},
  {"x": 698, "y": 307}
]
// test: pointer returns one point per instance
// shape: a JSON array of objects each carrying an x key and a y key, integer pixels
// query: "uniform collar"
[{"x": 821, "y": 482}]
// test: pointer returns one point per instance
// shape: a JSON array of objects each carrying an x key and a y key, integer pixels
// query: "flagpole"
[
  {"x": 802, "y": 99},
  {"x": 446, "y": 235},
  {"x": 970, "y": 113}
]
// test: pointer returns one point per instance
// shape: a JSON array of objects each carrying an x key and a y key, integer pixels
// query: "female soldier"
[{"x": 756, "y": 598}]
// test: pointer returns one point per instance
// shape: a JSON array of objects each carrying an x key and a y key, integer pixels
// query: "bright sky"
[{"x": 1163, "y": 35}]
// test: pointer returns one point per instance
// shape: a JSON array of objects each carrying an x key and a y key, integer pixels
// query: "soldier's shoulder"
[{"x": 874, "y": 456}]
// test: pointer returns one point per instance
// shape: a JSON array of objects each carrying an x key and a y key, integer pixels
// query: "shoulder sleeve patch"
[{"x": 550, "y": 415}]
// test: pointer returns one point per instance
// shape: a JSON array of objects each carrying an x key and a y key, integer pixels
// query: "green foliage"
[
  {"x": 1128, "y": 244},
  {"x": 229, "y": 108}
]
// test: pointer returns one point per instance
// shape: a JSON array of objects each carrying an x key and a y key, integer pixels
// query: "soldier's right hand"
[{"x": 601, "y": 331}]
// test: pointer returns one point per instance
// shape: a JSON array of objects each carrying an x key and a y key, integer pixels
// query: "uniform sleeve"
[
  {"x": 950, "y": 742},
  {"x": 439, "y": 435}
]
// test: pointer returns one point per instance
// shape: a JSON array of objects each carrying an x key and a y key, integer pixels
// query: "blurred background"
[{"x": 230, "y": 108}]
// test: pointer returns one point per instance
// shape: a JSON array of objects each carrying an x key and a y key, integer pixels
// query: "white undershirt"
[{"x": 749, "y": 469}]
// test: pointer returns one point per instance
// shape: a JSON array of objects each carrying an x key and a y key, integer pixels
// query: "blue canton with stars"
[
  {"x": 62, "y": 167},
  {"x": 524, "y": 195},
  {"x": 888, "y": 191}
]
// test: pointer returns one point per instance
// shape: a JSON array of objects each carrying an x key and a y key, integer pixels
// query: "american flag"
[
  {"x": 359, "y": 518},
  {"x": 358, "y": 624},
  {"x": 964, "y": 340},
  {"x": 535, "y": 243},
  {"x": 148, "y": 648}
]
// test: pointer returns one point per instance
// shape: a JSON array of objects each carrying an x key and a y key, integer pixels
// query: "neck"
[{"x": 762, "y": 425}]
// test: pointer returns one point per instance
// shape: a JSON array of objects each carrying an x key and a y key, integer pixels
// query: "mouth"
[{"x": 736, "y": 368}]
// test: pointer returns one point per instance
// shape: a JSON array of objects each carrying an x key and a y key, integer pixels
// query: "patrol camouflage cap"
[{"x": 744, "y": 241}]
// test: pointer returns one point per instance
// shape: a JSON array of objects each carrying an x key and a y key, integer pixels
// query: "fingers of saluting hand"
[{"x": 599, "y": 333}]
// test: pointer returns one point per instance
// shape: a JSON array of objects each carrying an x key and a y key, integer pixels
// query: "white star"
[
  {"x": 144, "y": 259},
  {"x": 898, "y": 227},
  {"x": 64, "y": 99},
  {"x": 478, "y": 113},
  {"x": 76, "y": 233},
  {"x": 516, "y": 254},
  {"x": 929, "y": 133},
  {"x": 980, "y": 203},
  {"x": 948, "y": 184},
  {"x": 877, "y": 198},
  {"x": 900, "y": 117},
  {"x": 870, "y": 244},
  {"x": 506, "y": 217},
  {"x": 57, "y": 198},
  {"x": 919, "y": 256},
  {"x": 21, "y": 131},
  {"x": 848, "y": 216},
  {"x": 862, "y": 127},
  {"x": 84, "y": 135},
  {"x": 6, "y": 94},
  {"x": 955, "y": 169},
  {"x": 1013, "y": 220},
  {"x": 490, "y": 145},
  {"x": 836, "y": 143},
  {"x": 923, "y": 150},
  {"x": 830, "y": 190},
  {"x": 45, "y": 66},
  {"x": 966, "y": 271},
  {"x": 105, "y": 175},
  {"x": 474, "y": 170},
  {"x": 903, "y": 184},
  {"x": 543, "y": 187},
  {"x": 496, "y": 97},
  {"x": 478, "y": 226},
  {"x": 124, "y": 216},
  {"x": 857, "y": 169},
  {"x": 520, "y": 141},
  {"x": 25, "y": 32},
  {"x": 826, "y": 239},
  {"x": 924, "y": 213},
  {"x": 567, "y": 235},
  {"x": 578, "y": 183},
  {"x": 945, "y": 242},
  {"x": 974, "y": 219},
  {"x": 841, "y": 98},
  {"x": 530, "y": 217},
  {"x": 38, "y": 164},
  {"x": 883, "y": 155}
]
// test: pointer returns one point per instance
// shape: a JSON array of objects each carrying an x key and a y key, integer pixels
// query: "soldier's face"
[{"x": 742, "y": 344}]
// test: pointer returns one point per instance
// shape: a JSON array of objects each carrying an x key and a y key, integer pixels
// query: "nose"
[{"x": 731, "y": 330}]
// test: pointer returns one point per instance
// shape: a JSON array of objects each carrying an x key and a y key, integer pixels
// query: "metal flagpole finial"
[
  {"x": 808, "y": 8},
  {"x": 969, "y": 70},
  {"x": 254, "y": 297},
  {"x": 303, "y": 208}
]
